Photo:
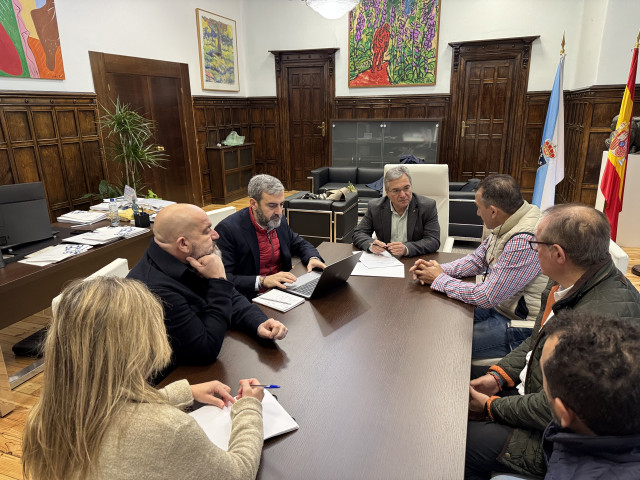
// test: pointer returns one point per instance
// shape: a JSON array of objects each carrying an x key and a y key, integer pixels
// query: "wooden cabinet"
[
  {"x": 374, "y": 143},
  {"x": 230, "y": 169}
]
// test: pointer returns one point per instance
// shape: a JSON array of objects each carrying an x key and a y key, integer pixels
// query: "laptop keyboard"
[{"x": 307, "y": 288}]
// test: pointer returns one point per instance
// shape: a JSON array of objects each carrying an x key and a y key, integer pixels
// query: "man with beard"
[
  {"x": 182, "y": 266},
  {"x": 257, "y": 243}
]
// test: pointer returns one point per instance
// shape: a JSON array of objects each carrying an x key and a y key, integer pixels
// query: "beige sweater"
[{"x": 154, "y": 441}]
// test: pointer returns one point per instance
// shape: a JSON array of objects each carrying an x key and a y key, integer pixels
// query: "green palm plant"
[{"x": 127, "y": 135}]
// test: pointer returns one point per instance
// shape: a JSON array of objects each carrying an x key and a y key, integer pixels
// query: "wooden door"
[
  {"x": 160, "y": 91},
  {"x": 306, "y": 90},
  {"x": 488, "y": 85},
  {"x": 486, "y": 108}
]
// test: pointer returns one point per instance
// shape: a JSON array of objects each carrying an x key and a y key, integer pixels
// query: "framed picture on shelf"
[{"x": 218, "y": 52}]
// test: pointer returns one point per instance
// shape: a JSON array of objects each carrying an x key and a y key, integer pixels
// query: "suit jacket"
[
  {"x": 197, "y": 311},
  {"x": 423, "y": 229},
  {"x": 241, "y": 254}
]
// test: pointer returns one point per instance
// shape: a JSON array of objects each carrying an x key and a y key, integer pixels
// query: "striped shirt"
[{"x": 513, "y": 270}]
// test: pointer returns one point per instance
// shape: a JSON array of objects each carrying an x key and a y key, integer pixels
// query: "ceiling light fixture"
[{"x": 332, "y": 9}]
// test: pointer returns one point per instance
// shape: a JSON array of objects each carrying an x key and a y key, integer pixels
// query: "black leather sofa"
[
  {"x": 331, "y": 178},
  {"x": 464, "y": 222},
  {"x": 320, "y": 221}
]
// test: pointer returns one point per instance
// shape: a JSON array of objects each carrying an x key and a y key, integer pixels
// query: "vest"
[{"x": 524, "y": 220}]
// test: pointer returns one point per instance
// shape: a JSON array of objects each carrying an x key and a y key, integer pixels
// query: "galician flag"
[
  {"x": 551, "y": 161},
  {"x": 615, "y": 171}
]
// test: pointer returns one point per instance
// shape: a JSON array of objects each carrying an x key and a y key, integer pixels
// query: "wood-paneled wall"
[
  {"x": 255, "y": 118},
  {"x": 52, "y": 138},
  {"x": 588, "y": 114}
]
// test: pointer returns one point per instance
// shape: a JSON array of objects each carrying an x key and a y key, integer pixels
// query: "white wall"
[
  {"x": 620, "y": 31},
  {"x": 599, "y": 36},
  {"x": 157, "y": 29}
]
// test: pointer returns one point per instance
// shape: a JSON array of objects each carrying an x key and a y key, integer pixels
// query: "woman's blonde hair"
[{"x": 106, "y": 339}]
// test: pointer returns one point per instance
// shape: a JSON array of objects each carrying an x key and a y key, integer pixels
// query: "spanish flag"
[{"x": 612, "y": 184}]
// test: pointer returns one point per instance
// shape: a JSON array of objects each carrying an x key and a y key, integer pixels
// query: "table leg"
[{"x": 6, "y": 397}]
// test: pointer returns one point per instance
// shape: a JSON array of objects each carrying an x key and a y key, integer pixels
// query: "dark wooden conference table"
[{"x": 376, "y": 374}]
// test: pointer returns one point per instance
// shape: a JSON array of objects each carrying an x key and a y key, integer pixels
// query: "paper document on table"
[
  {"x": 374, "y": 260},
  {"x": 394, "y": 269},
  {"x": 216, "y": 422},
  {"x": 279, "y": 300},
  {"x": 54, "y": 254}
]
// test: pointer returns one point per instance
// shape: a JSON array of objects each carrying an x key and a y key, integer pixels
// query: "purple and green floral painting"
[{"x": 393, "y": 43}]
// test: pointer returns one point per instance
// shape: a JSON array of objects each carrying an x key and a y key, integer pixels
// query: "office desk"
[
  {"x": 376, "y": 375},
  {"x": 28, "y": 289}
]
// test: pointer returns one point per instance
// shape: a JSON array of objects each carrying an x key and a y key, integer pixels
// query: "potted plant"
[{"x": 126, "y": 136}]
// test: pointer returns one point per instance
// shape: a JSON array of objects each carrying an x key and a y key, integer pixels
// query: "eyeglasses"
[
  {"x": 396, "y": 191},
  {"x": 534, "y": 244}
]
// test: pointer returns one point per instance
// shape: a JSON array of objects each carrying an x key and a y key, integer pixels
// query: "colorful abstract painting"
[
  {"x": 217, "y": 41},
  {"x": 29, "y": 40},
  {"x": 393, "y": 43}
]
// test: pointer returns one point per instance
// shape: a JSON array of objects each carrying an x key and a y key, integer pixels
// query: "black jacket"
[
  {"x": 241, "y": 254},
  {"x": 573, "y": 456},
  {"x": 197, "y": 311}
]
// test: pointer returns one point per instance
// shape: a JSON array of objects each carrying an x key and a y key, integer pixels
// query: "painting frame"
[
  {"x": 393, "y": 43},
  {"x": 215, "y": 66},
  {"x": 30, "y": 44}
]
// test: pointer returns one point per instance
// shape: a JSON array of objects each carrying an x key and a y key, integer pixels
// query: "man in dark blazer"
[
  {"x": 405, "y": 224},
  {"x": 257, "y": 243}
]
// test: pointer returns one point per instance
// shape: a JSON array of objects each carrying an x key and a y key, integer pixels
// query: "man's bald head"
[{"x": 180, "y": 227}]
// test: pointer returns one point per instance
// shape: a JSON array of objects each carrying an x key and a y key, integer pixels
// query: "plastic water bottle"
[{"x": 113, "y": 213}]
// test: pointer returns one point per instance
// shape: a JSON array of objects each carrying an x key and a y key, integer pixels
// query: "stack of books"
[{"x": 82, "y": 217}]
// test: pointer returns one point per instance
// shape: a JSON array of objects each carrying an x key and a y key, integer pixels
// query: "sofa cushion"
[
  {"x": 364, "y": 191},
  {"x": 368, "y": 175},
  {"x": 342, "y": 175}
]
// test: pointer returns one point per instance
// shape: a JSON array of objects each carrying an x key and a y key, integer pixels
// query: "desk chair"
[
  {"x": 31, "y": 346},
  {"x": 216, "y": 216},
  {"x": 433, "y": 181}
]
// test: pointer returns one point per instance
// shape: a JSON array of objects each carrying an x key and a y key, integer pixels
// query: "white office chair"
[
  {"x": 433, "y": 181},
  {"x": 118, "y": 268},
  {"x": 216, "y": 216}
]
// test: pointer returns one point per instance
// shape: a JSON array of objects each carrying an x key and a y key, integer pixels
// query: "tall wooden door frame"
[
  {"x": 518, "y": 49},
  {"x": 285, "y": 59},
  {"x": 100, "y": 61}
]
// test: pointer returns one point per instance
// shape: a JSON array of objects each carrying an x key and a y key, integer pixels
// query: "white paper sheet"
[
  {"x": 216, "y": 422},
  {"x": 362, "y": 270}
]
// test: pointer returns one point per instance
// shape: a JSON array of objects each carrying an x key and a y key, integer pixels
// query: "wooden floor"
[{"x": 28, "y": 393}]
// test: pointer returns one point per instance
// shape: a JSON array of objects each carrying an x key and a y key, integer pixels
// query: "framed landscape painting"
[
  {"x": 218, "y": 50},
  {"x": 393, "y": 43}
]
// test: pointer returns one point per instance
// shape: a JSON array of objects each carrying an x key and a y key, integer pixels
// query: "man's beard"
[
  {"x": 264, "y": 222},
  {"x": 197, "y": 254}
]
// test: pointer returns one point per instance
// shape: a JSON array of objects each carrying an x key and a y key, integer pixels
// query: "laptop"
[{"x": 313, "y": 284}]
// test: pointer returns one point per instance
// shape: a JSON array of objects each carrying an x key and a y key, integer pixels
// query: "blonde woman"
[{"x": 99, "y": 418}]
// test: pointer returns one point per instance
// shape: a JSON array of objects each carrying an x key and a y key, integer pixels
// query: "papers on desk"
[
  {"x": 279, "y": 300},
  {"x": 383, "y": 265},
  {"x": 103, "y": 235},
  {"x": 216, "y": 422},
  {"x": 54, "y": 254},
  {"x": 83, "y": 217}
]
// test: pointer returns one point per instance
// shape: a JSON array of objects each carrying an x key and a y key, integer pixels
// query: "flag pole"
[{"x": 636, "y": 268}]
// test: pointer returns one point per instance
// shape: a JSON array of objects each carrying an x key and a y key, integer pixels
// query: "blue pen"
[{"x": 267, "y": 386}]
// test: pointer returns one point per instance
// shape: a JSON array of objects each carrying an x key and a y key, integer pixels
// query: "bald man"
[{"x": 182, "y": 265}]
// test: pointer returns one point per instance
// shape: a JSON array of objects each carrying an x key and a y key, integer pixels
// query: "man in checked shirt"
[{"x": 508, "y": 299}]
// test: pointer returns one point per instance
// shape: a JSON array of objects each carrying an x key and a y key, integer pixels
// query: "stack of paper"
[
  {"x": 379, "y": 265},
  {"x": 279, "y": 300},
  {"x": 81, "y": 216},
  {"x": 216, "y": 422},
  {"x": 54, "y": 254},
  {"x": 103, "y": 235}
]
